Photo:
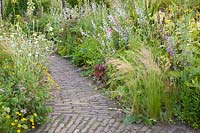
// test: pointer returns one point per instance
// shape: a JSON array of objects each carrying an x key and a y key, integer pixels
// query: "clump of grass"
[{"x": 139, "y": 81}]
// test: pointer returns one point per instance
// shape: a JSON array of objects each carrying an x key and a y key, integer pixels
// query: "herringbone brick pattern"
[{"x": 78, "y": 108}]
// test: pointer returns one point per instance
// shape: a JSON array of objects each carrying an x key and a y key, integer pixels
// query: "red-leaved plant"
[{"x": 99, "y": 71}]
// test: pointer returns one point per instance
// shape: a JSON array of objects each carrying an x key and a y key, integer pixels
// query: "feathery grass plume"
[
  {"x": 145, "y": 56},
  {"x": 6, "y": 52},
  {"x": 152, "y": 83},
  {"x": 121, "y": 66},
  {"x": 5, "y": 49}
]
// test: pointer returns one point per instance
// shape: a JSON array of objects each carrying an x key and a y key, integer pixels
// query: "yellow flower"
[
  {"x": 33, "y": 124},
  {"x": 12, "y": 123},
  {"x": 8, "y": 116},
  {"x": 18, "y": 131},
  {"x": 18, "y": 15},
  {"x": 23, "y": 119},
  {"x": 17, "y": 113},
  {"x": 14, "y": 1},
  {"x": 19, "y": 125},
  {"x": 167, "y": 21},
  {"x": 33, "y": 127},
  {"x": 171, "y": 10},
  {"x": 31, "y": 120},
  {"x": 35, "y": 114},
  {"x": 199, "y": 14},
  {"x": 16, "y": 120}
]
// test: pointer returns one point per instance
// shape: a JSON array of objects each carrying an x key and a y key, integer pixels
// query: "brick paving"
[{"x": 78, "y": 108}]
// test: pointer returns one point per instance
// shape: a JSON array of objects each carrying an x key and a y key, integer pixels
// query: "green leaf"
[
  {"x": 133, "y": 119},
  {"x": 24, "y": 126}
]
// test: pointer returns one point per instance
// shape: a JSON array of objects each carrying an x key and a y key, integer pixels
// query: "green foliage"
[
  {"x": 15, "y": 8},
  {"x": 88, "y": 53},
  {"x": 139, "y": 119},
  {"x": 189, "y": 110},
  {"x": 24, "y": 87},
  {"x": 83, "y": 50},
  {"x": 45, "y": 4},
  {"x": 185, "y": 60},
  {"x": 47, "y": 24},
  {"x": 74, "y": 3},
  {"x": 70, "y": 39}
]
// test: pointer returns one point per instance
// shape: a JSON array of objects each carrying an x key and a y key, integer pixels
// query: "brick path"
[{"x": 78, "y": 108}]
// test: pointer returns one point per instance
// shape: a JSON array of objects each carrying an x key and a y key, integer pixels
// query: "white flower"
[
  {"x": 50, "y": 28},
  {"x": 7, "y": 109},
  {"x": 93, "y": 25},
  {"x": 94, "y": 7},
  {"x": 29, "y": 54},
  {"x": 109, "y": 33},
  {"x": 22, "y": 88},
  {"x": 2, "y": 90},
  {"x": 82, "y": 32},
  {"x": 36, "y": 42},
  {"x": 198, "y": 25},
  {"x": 23, "y": 111},
  {"x": 121, "y": 12},
  {"x": 111, "y": 18}
]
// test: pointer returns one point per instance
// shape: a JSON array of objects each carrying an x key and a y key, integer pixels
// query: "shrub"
[
  {"x": 88, "y": 53},
  {"x": 188, "y": 107},
  {"x": 69, "y": 39}
]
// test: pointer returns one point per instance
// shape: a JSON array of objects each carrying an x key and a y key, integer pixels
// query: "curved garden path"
[{"x": 78, "y": 108}]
